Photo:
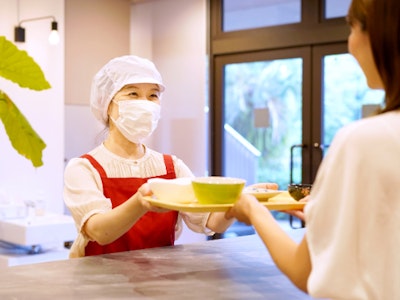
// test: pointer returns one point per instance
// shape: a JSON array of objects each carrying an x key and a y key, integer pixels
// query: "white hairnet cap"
[{"x": 117, "y": 73}]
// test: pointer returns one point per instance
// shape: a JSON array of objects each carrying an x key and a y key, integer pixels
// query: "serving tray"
[{"x": 280, "y": 202}]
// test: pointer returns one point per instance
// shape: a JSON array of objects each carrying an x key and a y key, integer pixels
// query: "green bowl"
[
  {"x": 217, "y": 189},
  {"x": 299, "y": 191}
]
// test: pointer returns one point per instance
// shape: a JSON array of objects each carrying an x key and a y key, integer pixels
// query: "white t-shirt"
[
  {"x": 83, "y": 189},
  {"x": 353, "y": 216}
]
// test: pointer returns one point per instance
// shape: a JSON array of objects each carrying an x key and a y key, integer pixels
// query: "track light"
[
  {"x": 19, "y": 34},
  {"x": 19, "y": 31}
]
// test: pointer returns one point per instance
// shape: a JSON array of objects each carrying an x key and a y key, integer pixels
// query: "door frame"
[{"x": 317, "y": 113}]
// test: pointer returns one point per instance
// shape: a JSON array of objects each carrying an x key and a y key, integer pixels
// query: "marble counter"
[{"x": 233, "y": 268}]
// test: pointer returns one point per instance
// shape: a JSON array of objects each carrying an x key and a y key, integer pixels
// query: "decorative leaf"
[
  {"x": 17, "y": 66},
  {"x": 23, "y": 137}
]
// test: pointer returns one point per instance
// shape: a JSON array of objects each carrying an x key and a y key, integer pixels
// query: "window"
[
  {"x": 336, "y": 8},
  {"x": 246, "y": 14}
]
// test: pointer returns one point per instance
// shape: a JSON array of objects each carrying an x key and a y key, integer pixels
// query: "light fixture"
[
  {"x": 19, "y": 31},
  {"x": 54, "y": 37}
]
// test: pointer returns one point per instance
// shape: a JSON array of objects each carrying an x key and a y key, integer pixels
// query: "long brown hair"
[{"x": 381, "y": 20}]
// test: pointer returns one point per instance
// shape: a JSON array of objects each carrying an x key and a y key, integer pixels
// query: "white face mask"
[{"x": 137, "y": 119}]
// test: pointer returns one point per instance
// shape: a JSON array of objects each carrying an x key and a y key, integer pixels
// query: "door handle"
[{"x": 322, "y": 147}]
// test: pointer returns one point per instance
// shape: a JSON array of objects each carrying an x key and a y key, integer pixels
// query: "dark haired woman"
[{"x": 351, "y": 249}]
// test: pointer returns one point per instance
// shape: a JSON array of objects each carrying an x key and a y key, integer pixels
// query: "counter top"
[{"x": 232, "y": 268}]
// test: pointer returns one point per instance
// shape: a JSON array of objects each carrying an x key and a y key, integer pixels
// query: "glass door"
[
  {"x": 343, "y": 93},
  {"x": 279, "y": 111},
  {"x": 264, "y": 98}
]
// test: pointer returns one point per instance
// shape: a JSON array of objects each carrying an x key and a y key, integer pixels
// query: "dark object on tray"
[{"x": 299, "y": 191}]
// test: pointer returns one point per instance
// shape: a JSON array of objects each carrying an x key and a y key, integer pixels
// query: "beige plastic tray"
[{"x": 282, "y": 201}]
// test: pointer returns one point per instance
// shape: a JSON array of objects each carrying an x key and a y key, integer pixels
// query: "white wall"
[
  {"x": 96, "y": 31},
  {"x": 44, "y": 110},
  {"x": 172, "y": 33}
]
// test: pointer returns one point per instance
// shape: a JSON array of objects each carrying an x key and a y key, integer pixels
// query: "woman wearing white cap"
[{"x": 104, "y": 188}]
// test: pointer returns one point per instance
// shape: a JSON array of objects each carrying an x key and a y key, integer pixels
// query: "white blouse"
[
  {"x": 83, "y": 190},
  {"x": 353, "y": 216}
]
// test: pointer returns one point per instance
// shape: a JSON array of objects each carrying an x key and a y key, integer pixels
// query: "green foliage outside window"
[{"x": 277, "y": 86}]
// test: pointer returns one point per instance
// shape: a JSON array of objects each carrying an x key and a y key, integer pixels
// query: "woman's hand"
[
  {"x": 298, "y": 213},
  {"x": 243, "y": 207},
  {"x": 145, "y": 191}
]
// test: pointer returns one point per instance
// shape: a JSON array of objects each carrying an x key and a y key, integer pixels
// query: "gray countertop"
[{"x": 232, "y": 268}]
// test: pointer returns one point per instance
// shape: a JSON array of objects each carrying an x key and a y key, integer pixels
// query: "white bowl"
[{"x": 177, "y": 190}]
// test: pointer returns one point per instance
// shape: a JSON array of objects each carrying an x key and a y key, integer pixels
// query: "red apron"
[{"x": 151, "y": 230}]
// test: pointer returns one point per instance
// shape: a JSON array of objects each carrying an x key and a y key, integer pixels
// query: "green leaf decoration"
[
  {"x": 23, "y": 137},
  {"x": 16, "y": 65}
]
